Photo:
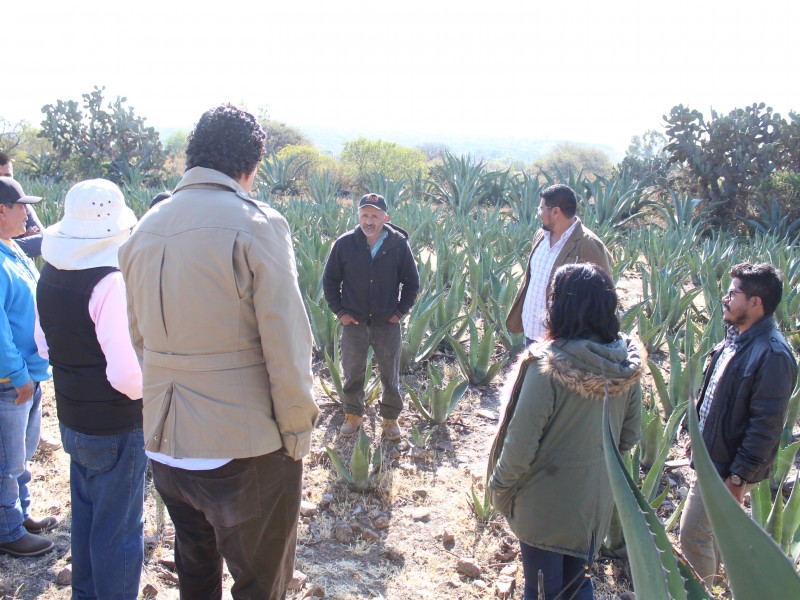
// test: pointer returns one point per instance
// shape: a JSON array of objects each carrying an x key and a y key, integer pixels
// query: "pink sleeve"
[{"x": 108, "y": 309}]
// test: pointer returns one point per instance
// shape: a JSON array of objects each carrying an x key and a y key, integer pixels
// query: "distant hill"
[
  {"x": 501, "y": 149},
  {"x": 507, "y": 149}
]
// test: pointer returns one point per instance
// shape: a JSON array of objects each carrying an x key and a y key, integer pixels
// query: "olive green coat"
[{"x": 547, "y": 470}]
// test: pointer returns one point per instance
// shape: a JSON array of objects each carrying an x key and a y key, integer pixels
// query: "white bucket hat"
[{"x": 96, "y": 223}]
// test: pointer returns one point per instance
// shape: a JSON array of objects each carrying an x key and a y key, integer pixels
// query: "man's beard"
[{"x": 734, "y": 319}]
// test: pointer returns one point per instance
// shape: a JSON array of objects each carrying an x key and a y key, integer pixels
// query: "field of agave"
[{"x": 470, "y": 232}]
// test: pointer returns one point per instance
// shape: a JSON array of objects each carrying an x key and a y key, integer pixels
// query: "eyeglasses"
[
  {"x": 731, "y": 293},
  {"x": 544, "y": 207}
]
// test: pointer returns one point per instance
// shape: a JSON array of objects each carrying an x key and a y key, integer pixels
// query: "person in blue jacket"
[{"x": 21, "y": 372}]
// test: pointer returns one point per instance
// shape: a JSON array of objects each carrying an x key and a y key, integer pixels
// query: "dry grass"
[{"x": 409, "y": 561}]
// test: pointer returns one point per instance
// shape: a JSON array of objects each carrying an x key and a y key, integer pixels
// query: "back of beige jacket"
[{"x": 218, "y": 324}]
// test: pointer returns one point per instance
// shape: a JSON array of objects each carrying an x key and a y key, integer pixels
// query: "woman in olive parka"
[{"x": 548, "y": 473}]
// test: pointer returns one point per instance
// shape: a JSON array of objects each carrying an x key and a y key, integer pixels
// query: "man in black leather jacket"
[{"x": 742, "y": 406}]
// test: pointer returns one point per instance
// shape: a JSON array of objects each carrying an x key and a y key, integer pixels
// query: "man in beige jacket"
[
  {"x": 562, "y": 240},
  {"x": 220, "y": 329}
]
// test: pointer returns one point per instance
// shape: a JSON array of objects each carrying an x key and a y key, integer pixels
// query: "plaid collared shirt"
[
  {"x": 728, "y": 352},
  {"x": 534, "y": 309}
]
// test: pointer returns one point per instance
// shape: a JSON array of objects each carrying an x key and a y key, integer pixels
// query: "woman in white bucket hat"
[{"x": 98, "y": 383}]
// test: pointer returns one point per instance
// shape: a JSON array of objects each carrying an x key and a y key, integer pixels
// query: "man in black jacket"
[
  {"x": 370, "y": 283},
  {"x": 742, "y": 407}
]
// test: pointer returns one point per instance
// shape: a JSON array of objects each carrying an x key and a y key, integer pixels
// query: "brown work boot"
[
  {"x": 391, "y": 430},
  {"x": 37, "y": 525},
  {"x": 351, "y": 425},
  {"x": 29, "y": 544}
]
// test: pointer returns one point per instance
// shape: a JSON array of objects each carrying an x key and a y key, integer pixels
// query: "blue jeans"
[
  {"x": 565, "y": 577},
  {"x": 19, "y": 435},
  {"x": 386, "y": 341},
  {"x": 106, "y": 480}
]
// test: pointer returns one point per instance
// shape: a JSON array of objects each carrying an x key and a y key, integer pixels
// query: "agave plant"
[
  {"x": 365, "y": 466},
  {"x": 419, "y": 439},
  {"x": 481, "y": 506},
  {"x": 781, "y": 520},
  {"x": 685, "y": 372},
  {"x": 462, "y": 182},
  {"x": 421, "y": 340},
  {"x": 439, "y": 400},
  {"x": 323, "y": 186},
  {"x": 772, "y": 221},
  {"x": 665, "y": 304},
  {"x": 391, "y": 189},
  {"x": 325, "y": 326},
  {"x": 336, "y": 394},
  {"x": 476, "y": 363},
  {"x": 279, "y": 174}
]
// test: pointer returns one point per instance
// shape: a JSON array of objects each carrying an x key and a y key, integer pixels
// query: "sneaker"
[
  {"x": 351, "y": 425},
  {"x": 47, "y": 444},
  {"x": 29, "y": 544},
  {"x": 391, "y": 430},
  {"x": 37, "y": 525}
]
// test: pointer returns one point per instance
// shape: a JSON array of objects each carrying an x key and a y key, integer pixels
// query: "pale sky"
[{"x": 596, "y": 72}]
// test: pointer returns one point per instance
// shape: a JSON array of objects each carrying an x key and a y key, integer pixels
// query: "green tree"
[
  {"x": 280, "y": 135},
  {"x": 646, "y": 155},
  {"x": 363, "y": 157},
  {"x": 730, "y": 157},
  {"x": 175, "y": 143},
  {"x": 102, "y": 140},
  {"x": 10, "y": 135},
  {"x": 565, "y": 157}
]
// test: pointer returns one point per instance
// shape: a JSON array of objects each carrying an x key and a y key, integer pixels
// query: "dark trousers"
[
  {"x": 565, "y": 577},
  {"x": 385, "y": 340},
  {"x": 245, "y": 512}
]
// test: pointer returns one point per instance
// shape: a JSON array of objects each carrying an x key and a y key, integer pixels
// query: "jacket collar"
[
  {"x": 205, "y": 177},
  {"x": 577, "y": 234},
  {"x": 758, "y": 328}
]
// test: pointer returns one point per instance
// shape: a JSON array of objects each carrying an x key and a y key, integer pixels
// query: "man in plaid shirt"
[{"x": 562, "y": 239}]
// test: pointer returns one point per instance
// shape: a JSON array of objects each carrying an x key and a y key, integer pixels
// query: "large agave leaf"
[
  {"x": 653, "y": 564},
  {"x": 443, "y": 401},
  {"x": 784, "y": 461},
  {"x": 756, "y": 566},
  {"x": 661, "y": 388},
  {"x": 455, "y": 394},
  {"x": 417, "y": 402},
  {"x": 359, "y": 462},
  {"x": 791, "y": 518},
  {"x": 338, "y": 463},
  {"x": 462, "y": 358},
  {"x": 650, "y": 483}
]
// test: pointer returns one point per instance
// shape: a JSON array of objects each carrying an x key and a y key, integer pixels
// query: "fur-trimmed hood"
[{"x": 584, "y": 366}]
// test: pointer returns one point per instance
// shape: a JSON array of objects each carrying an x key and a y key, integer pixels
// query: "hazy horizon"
[{"x": 577, "y": 70}]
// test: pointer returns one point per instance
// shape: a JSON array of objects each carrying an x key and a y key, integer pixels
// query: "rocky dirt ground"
[{"x": 413, "y": 537}]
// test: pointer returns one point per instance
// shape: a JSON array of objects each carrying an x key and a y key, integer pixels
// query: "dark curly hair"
[
  {"x": 582, "y": 304},
  {"x": 226, "y": 139},
  {"x": 762, "y": 280}
]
